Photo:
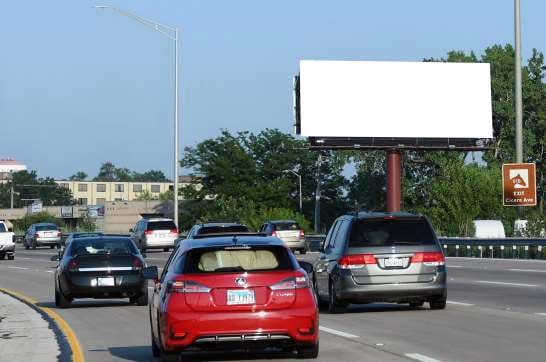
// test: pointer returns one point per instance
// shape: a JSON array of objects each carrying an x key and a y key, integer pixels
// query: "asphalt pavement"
[{"x": 496, "y": 312}]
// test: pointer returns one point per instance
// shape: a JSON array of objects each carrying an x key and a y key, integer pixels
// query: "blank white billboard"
[{"x": 395, "y": 99}]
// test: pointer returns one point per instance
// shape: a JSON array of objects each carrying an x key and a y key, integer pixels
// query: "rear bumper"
[
  {"x": 48, "y": 241},
  {"x": 215, "y": 330},
  {"x": 86, "y": 286},
  {"x": 159, "y": 244},
  {"x": 349, "y": 291},
  {"x": 7, "y": 248},
  {"x": 294, "y": 244}
]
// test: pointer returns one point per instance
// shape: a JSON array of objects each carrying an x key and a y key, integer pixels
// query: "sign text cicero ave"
[{"x": 519, "y": 184}]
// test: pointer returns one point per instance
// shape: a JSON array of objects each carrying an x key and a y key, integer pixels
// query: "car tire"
[
  {"x": 61, "y": 301},
  {"x": 334, "y": 306},
  {"x": 2, "y": 256},
  {"x": 142, "y": 299},
  {"x": 156, "y": 352},
  {"x": 437, "y": 304},
  {"x": 27, "y": 246},
  {"x": 308, "y": 352},
  {"x": 34, "y": 245},
  {"x": 11, "y": 257}
]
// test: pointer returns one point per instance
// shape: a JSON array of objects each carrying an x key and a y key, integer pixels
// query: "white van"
[{"x": 488, "y": 229}]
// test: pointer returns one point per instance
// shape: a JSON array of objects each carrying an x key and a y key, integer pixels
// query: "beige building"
[{"x": 99, "y": 192}]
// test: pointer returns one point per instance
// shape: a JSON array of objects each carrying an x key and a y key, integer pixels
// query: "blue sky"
[{"x": 80, "y": 86}]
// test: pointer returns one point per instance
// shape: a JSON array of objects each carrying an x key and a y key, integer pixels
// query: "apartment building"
[{"x": 99, "y": 192}]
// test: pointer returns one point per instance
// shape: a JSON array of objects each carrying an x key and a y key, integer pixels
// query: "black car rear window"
[
  {"x": 236, "y": 259},
  {"x": 46, "y": 227},
  {"x": 161, "y": 225},
  {"x": 91, "y": 246},
  {"x": 286, "y": 226},
  {"x": 372, "y": 232},
  {"x": 223, "y": 229}
]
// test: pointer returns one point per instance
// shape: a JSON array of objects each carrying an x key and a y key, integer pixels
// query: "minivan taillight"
[
  {"x": 356, "y": 261},
  {"x": 274, "y": 233},
  {"x": 148, "y": 232},
  {"x": 177, "y": 286},
  {"x": 59, "y": 233},
  {"x": 73, "y": 265},
  {"x": 36, "y": 235},
  {"x": 431, "y": 258},
  {"x": 302, "y": 234},
  {"x": 174, "y": 231}
]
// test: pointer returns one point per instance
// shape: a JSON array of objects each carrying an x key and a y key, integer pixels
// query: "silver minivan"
[{"x": 381, "y": 257}]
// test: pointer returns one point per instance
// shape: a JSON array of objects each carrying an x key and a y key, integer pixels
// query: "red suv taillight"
[
  {"x": 297, "y": 282},
  {"x": 137, "y": 264},
  {"x": 432, "y": 258},
  {"x": 73, "y": 265},
  {"x": 178, "y": 286},
  {"x": 356, "y": 261}
]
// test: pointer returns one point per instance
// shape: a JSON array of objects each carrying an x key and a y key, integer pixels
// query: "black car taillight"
[
  {"x": 73, "y": 265},
  {"x": 137, "y": 264}
]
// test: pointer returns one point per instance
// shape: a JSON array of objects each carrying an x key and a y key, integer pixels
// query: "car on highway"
[
  {"x": 42, "y": 234},
  {"x": 381, "y": 257},
  {"x": 7, "y": 244},
  {"x": 213, "y": 228},
  {"x": 155, "y": 233},
  {"x": 233, "y": 292},
  {"x": 100, "y": 267},
  {"x": 288, "y": 231}
]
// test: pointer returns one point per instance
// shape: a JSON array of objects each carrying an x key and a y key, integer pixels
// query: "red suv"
[{"x": 231, "y": 293}]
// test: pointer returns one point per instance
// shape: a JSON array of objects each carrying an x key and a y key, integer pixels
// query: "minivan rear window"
[
  {"x": 285, "y": 226},
  {"x": 373, "y": 232},
  {"x": 161, "y": 225},
  {"x": 237, "y": 259}
]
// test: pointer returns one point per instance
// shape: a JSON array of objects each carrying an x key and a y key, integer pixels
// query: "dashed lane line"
[
  {"x": 541, "y": 314},
  {"x": 507, "y": 284},
  {"x": 337, "y": 333},
  {"x": 421, "y": 358},
  {"x": 528, "y": 270},
  {"x": 460, "y": 303}
]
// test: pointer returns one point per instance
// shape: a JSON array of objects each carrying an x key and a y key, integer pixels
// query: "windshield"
[
  {"x": 285, "y": 226},
  {"x": 236, "y": 260},
  {"x": 46, "y": 227},
  {"x": 374, "y": 232},
  {"x": 161, "y": 225},
  {"x": 102, "y": 246}
]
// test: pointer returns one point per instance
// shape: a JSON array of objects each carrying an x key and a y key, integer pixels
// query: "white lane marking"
[
  {"x": 541, "y": 314},
  {"x": 455, "y": 266},
  {"x": 528, "y": 270},
  {"x": 421, "y": 358},
  {"x": 538, "y": 261},
  {"x": 337, "y": 333},
  {"x": 17, "y": 267},
  {"x": 460, "y": 303},
  {"x": 509, "y": 284}
]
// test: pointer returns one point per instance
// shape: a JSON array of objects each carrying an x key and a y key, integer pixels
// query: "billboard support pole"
[{"x": 394, "y": 187}]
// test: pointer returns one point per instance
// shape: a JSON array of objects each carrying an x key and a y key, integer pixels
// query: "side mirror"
[
  {"x": 131, "y": 230},
  {"x": 321, "y": 247},
  {"x": 55, "y": 258},
  {"x": 150, "y": 273},
  {"x": 308, "y": 267}
]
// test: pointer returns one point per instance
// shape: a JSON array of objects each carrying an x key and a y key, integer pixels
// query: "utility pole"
[
  {"x": 519, "y": 107},
  {"x": 317, "y": 196},
  {"x": 11, "y": 195}
]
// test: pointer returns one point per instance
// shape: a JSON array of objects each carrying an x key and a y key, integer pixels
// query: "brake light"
[
  {"x": 36, "y": 235},
  {"x": 274, "y": 233},
  {"x": 434, "y": 258},
  {"x": 356, "y": 261},
  {"x": 178, "y": 286},
  {"x": 174, "y": 231},
  {"x": 137, "y": 264},
  {"x": 297, "y": 282},
  {"x": 302, "y": 234},
  {"x": 148, "y": 232},
  {"x": 73, "y": 265},
  {"x": 59, "y": 234}
]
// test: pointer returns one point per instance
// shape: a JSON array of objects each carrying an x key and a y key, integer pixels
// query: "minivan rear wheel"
[
  {"x": 334, "y": 306},
  {"x": 437, "y": 304}
]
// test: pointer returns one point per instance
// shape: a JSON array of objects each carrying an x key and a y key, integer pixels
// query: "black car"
[
  {"x": 100, "y": 267},
  {"x": 213, "y": 228},
  {"x": 381, "y": 257}
]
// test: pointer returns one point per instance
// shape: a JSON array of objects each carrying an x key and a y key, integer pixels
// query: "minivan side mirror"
[
  {"x": 151, "y": 273},
  {"x": 321, "y": 247}
]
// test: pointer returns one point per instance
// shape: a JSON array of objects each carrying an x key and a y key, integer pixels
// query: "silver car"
[
  {"x": 46, "y": 234},
  {"x": 381, "y": 257},
  {"x": 288, "y": 231},
  {"x": 156, "y": 233}
]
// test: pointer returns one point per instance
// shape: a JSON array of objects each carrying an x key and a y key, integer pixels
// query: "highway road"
[{"x": 496, "y": 312}]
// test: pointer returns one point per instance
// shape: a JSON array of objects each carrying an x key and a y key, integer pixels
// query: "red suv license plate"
[{"x": 240, "y": 296}]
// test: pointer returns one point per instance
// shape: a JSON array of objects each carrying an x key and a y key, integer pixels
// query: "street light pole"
[
  {"x": 300, "y": 191},
  {"x": 519, "y": 111},
  {"x": 171, "y": 33},
  {"x": 317, "y": 196}
]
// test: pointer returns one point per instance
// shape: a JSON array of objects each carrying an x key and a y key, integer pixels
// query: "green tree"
[
  {"x": 145, "y": 195},
  {"x": 28, "y": 186},
  {"x": 78, "y": 176},
  {"x": 107, "y": 172}
]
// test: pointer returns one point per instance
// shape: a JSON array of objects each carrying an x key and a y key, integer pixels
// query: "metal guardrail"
[{"x": 503, "y": 248}]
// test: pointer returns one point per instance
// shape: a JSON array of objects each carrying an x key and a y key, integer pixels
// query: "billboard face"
[
  {"x": 395, "y": 99},
  {"x": 519, "y": 184}
]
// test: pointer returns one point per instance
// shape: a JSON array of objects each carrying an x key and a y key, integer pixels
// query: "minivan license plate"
[
  {"x": 394, "y": 262},
  {"x": 105, "y": 282},
  {"x": 240, "y": 296}
]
